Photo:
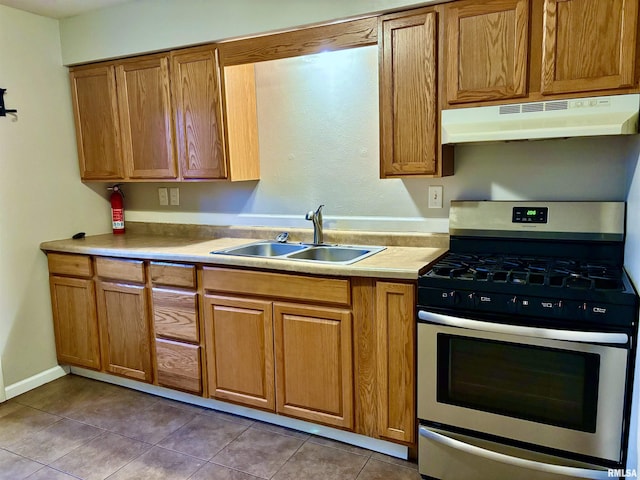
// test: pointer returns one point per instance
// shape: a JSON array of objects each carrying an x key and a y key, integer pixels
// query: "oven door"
[{"x": 554, "y": 388}]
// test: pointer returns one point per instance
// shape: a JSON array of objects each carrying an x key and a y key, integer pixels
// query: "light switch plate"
[
  {"x": 174, "y": 196},
  {"x": 435, "y": 196},
  {"x": 163, "y": 196}
]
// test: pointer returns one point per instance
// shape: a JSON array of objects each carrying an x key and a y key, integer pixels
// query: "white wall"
[
  {"x": 41, "y": 196},
  {"x": 150, "y": 25},
  {"x": 632, "y": 263}
]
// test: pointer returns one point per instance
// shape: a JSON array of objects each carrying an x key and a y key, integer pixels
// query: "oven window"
[{"x": 556, "y": 387}]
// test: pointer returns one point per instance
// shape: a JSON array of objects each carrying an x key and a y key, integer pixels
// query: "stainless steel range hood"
[{"x": 584, "y": 117}]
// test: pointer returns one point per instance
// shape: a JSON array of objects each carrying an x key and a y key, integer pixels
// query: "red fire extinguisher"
[{"x": 117, "y": 209}]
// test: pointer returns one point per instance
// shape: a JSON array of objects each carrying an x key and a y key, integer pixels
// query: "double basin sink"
[{"x": 337, "y": 254}]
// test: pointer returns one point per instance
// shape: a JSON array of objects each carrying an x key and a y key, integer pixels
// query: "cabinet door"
[
  {"x": 198, "y": 110},
  {"x": 145, "y": 112},
  {"x": 124, "y": 330},
  {"x": 487, "y": 44},
  {"x": 588, "y": 45},
  {"x": 396, "y": 323},
  {"x": 314, "y": 373},
  {"x": 75, "y": 321},
  {"x": 95, "y": 108},
  {"x": 408, "y": 96},
  {"x": 239, "y": 346}
]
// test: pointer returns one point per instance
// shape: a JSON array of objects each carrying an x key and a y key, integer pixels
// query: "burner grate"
[{"x": 526, "y": 270}]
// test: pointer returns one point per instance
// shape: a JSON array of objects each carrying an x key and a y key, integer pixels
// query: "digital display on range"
[{"x": 530, "y": 214}]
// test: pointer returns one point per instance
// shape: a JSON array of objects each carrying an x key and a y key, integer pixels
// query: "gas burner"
[{"x": 526, "y": 270}]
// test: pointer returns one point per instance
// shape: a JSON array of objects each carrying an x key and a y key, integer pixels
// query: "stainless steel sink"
[
  {"x": 264, "y": 249},
  {"x": 306, "y": 252},
  {"x": 332, "y": 253}
]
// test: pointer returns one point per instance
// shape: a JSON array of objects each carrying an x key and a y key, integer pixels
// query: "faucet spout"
[{"x": 316, "y": 218}]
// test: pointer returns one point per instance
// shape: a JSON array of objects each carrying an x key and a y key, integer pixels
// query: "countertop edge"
[{"x": 391, "y": 263}]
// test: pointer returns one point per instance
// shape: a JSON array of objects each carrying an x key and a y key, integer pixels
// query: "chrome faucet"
[{"x": 316, "y": 218}]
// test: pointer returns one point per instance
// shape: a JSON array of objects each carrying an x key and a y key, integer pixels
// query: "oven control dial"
[
  {"x": 450, "y": 297},
  {"x": 552, "y": 307},
  {"x": 483, "y": 301},
  {"x": 513, "y": 305}
]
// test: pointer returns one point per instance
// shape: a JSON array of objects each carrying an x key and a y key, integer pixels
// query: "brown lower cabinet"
[
  {"x": 176, "y": 326},
  {"x": 125, "y": 339},
  {"x": 75, "y": 319},
  {"x": 338, "y": 351},
  {"x": 239, "y": 339},
  {"x": 314, "y": 363}
]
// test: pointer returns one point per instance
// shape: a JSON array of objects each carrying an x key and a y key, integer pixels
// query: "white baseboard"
[
  {"x": 35, "y": 381},
  {"x": 382, "y": 446}
]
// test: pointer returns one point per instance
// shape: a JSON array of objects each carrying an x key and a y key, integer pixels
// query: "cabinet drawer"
[
  {"x": 128, "y": 270},
  {"x": 175, "y": 314},
  {"x": 293, "y": 287},
  {"x": 173, "y": 274},
  {"x": 178, "y": 365},
  {"x": 64, "y": 264}
]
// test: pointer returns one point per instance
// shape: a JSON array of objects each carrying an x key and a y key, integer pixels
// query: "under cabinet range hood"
[{"x": 583, "y": 117}]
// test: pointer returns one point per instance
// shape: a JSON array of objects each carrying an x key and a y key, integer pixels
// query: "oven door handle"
[
  {"x": 544, "y": 333},
  {"x": 573, "y": 472}
]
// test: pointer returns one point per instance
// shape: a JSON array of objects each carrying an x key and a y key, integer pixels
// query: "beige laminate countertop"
[{"x": 395, "y": 262}]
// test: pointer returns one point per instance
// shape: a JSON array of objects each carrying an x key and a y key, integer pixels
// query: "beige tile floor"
[{"x": 75, "y": 427}]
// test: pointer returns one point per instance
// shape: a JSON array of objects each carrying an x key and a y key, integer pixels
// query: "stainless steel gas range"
[{"x": 527, "y": 331}]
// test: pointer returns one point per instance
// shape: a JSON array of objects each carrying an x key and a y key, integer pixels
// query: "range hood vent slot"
[{"x": 611, "y": 115}]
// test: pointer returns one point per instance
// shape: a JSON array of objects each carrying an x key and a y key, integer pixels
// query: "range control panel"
[{"x": 530, "y": 214}]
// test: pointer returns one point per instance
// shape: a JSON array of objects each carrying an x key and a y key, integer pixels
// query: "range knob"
[
  {"x": 513, "y": 305},
  {"x": 450, "y": 298},
  {"x": 554, "y": 308},
  {"x": 472, "y": 299}
]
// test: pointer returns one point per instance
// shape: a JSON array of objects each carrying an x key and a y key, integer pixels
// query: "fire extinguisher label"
[{"x": 117, "y": 214}]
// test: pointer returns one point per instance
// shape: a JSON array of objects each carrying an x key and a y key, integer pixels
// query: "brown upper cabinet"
[
  {"x": 409, "y": 106},
  {"x": 136, "y": 118},
  {"x": 588, "y": 45},
  {"x": 487, "y": 49},
  {"x": 539, "y": 49},
  {"x": 216, "y": 117},
  {"x": 95, "y": 108},
  {"x": 145, "y": 117},
  {"x": 198, "y": 113}
]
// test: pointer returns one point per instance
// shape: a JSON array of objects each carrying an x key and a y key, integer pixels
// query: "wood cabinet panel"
[
  {"x": 172, "y": 274},
  {"x": 75, "y": 321},
  {"x": 409, "y": 123},
  {"x": 364, "y": 357},
  {"x": 178, "y": 366},
  {"x": 198, "y": 109},
  {"x": 145, "y": 114},
  {"x": 241, "y": 120},
  {"x": 240, "y": 350},
  {"x": 124, "y": 330},
  {"x": 314, "y": 376},
  {"x": 395, "y": 315},
  {"x": 306, "y": 41},
  {"x": 97, "y": 122},
  {"x": 278, "y": 285},
  {"x": 117, "y": 269},
  {"x": 66, "y": 264},
  {"x": 175, "y": 314},
  {"x": 487, "y": 50},
  {"x": 588, "y": 45}
]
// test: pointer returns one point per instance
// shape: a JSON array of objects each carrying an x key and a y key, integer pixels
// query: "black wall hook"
[{"x": 3, "y": 110}]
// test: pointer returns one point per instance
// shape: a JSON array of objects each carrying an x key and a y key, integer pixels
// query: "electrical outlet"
[
  {"x": 174, "y": 196},
  {"x": 435, "y": 196},
  {"x": 163, "y": 196}
]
